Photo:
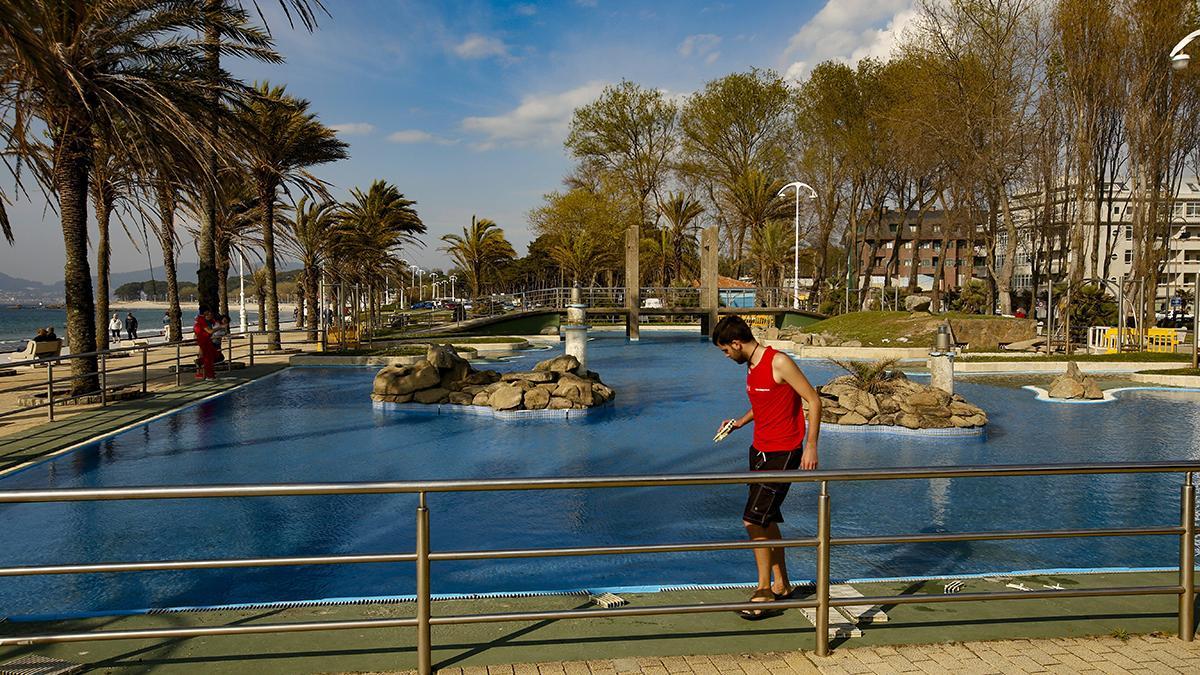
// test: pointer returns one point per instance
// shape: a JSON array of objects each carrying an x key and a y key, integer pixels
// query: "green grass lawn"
[
  {"x": 1195, "y": 372},
  {"x": 1126, "y": 357}
]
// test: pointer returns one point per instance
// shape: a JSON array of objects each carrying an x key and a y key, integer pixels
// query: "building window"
[
  {"x": 879, "y": 261},
  {"x": 1116, "y": 210},
  {"x": 1192, "y": 209},
  {"x": 937, "y": 229},
  {"x": 892, "y": 228},
  {"x": 1128, "y": 233},
  {"x": 912, "y": 229},
  {"x": 934, "y": 262},
  {"x": 1129, "y": 257},
  {"x": 908, "y": 244},
  {"x": 888, "y": 245}
]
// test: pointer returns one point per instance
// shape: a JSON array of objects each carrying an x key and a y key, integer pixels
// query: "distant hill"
[{"x": 14, "y": 289}]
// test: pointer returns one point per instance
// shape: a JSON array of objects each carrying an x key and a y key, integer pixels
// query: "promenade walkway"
[{"x": 1114, "y": 635}]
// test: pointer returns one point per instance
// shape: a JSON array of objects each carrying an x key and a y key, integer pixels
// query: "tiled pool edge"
[{"x": 581, "y": 592}]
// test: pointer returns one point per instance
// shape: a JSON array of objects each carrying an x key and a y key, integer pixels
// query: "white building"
[{"x": 1113, "y": 234}]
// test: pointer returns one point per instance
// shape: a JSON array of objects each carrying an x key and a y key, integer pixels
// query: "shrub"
[
  {"x": 875, "y": 377},
  {"x": 974, "y": 298}
]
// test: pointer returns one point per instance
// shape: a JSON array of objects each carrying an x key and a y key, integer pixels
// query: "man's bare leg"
[
  {"x": 762, "y": 556},
  {"x": 778, "y": 562}
]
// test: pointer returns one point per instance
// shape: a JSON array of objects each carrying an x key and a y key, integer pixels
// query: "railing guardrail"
[{"x": 823, "y": 542}]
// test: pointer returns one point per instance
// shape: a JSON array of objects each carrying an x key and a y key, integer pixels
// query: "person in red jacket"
[
  {"x": 203, "y": 330},
  {"x": 782, "y": 442}
]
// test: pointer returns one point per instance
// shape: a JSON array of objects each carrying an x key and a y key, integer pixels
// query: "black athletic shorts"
[{"x": 762, "y": 506}]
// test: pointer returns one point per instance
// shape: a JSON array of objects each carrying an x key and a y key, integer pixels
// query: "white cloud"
[
  {"x": 353, "y": 128},
  {"x": 525, "y": 9},
  {"x": 476, "y": 46},
  {"x": 539, "y": 118},
  {"x": 848, "y": 30},
  {"x": 703, "y": 45},
  {"x": 418, "y": 136}
]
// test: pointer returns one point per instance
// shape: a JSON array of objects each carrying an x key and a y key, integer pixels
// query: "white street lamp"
[
  {"x": 241, "y": 292},
  {"x": 421, "y": 282},
  {"x": 453, "y": 278},
  {"x": 796, "y": 257},
  {"x": 433, "y": 285},
  {"x": 1179, "y": 60}
]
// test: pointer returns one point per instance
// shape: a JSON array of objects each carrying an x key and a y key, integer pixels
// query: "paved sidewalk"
[{"x": 1135, "y": 654}]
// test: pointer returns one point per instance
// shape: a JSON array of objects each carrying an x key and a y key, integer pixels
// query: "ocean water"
[
  {"x": 18, "y": 325},
  {"x": 318, "y": 424}
]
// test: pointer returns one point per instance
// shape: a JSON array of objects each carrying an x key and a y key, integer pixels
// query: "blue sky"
[{"x": 464, "y": 105}]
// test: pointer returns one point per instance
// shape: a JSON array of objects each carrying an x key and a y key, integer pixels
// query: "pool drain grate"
[{"x": 39, "y": 665}]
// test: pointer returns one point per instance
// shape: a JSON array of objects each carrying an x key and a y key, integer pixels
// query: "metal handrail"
[{"x": 823, "y": 542}]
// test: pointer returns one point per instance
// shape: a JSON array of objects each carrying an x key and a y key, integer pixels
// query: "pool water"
[{"x": 318, "y": 424}]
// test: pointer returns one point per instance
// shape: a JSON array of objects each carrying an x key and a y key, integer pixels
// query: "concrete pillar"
[
  {"x": 941, "y": 361},
  {"x": 576, "y": 329},
  {"x": 708, "y": 279},
  {"x": 633, "y": 300}
]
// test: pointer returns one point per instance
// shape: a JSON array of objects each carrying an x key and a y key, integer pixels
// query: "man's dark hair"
[{"x": 731, "y": 328}]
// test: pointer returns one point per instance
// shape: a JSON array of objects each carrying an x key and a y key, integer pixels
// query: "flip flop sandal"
[{"x": 765, "y": 596}]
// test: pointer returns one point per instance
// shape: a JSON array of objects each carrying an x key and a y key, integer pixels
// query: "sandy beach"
[{"x": 285, "y": 308}]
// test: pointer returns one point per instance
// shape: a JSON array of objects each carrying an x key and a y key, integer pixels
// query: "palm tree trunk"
[
  {"x": 72, "y": 163},
  {"x": 206, "y": 275},
  {"x": 267, "y": 199},
  {"x": 310, "y": 300},
  {"x": 223, "y": 279},
  {"x": 104, "y": 208},
  {"x": 166, "y": 240}
]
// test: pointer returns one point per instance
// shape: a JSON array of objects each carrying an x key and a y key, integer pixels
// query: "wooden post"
[
  {"x": 633, "y": 303},
  {"x": 709, "y": 293}
]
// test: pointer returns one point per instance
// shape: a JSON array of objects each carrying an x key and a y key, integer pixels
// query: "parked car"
[
  {"x": 652, "y": 303},
  {"x": 423, "y": 304}
]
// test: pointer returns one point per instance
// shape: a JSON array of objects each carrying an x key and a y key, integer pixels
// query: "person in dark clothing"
[
  {"x": 42, "y": 336},
  {"x": 50, "y": 333},
  {"x": 131, "y": 326}
]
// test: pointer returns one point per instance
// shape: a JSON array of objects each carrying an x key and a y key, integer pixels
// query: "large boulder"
[
  {"x": 988, "y": 334},
  {"x": 536, "y": 377},
  {"x": 564, "y": 363},
  {"x": 481, "y": 398},
  {"x": 1073, "y": 384},
  {"x": 602, "y": 393},
  {"x": 400, "y": 381},
  {"x": 461, "y": 398},
  {"x": 434, "y": 395},
  {"x": 481, "y": 377},
  {"x": 853, "y": 419},
  {"x": 917, "y": 303},
  {"x": 387, "y": 381},
  {"x": 506, "y": 397},
  {"x": 536, "y": 399},
  {"x": 559, "y": 403},
  {"x": 575, "y": 389}
]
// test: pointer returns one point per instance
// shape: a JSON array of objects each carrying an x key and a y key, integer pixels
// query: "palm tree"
[
  {"x": 309, "y": 237},
  {"x": 770, "y": 251},
  {"x": 375, "y": 226},
  {"x": 106, "y": 71},
  {"x": 110, "y": 183},
  {"x": 581, "y": 255},
  {"x": 681, "y": 212},
  {"x": 755, "y": 200},
  {"x": 479, "y": 251},
  {"x": 282, "y": 140},
  {"x": 304, "y": 10}
]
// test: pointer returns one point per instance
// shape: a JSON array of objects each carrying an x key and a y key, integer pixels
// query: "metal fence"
[
  {"x": 124, "y": 372},
  {"x": 823, "y": 542}
]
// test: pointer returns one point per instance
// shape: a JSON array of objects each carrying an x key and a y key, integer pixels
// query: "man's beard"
[{"x": 740, "y": 358}]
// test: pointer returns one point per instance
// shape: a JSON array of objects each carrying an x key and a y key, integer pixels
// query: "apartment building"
[
  {"x": 893, "y": 245},
  {"x": 1046, "y": 246}
]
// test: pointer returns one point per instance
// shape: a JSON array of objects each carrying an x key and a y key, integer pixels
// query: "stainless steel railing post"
[
  {"x": 50, "y": 390},
  {"x": 251, "y": 355},
  {"x": 424, "y": 638},
  {"x": 1187, "y": 561},
  {"x": 145, "y": 351},
  {"x": 823, "y": 571},
  {"x": 103, "y": 381},
  {"x": 178, "y": 379}
]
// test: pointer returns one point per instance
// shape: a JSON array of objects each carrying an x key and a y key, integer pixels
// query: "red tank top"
[{"x": 778, "y": 412}]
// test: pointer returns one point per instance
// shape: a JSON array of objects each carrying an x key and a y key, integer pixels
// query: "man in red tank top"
[{"x": 778, "y": 393}]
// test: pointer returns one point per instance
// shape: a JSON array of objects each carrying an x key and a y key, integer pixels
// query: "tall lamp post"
[
  {"x": 796, "y": 246},
  {"x": 433, "y": 276},
  {"x": 453, "y": 278},
  {"x": 1179, "y": 61}
]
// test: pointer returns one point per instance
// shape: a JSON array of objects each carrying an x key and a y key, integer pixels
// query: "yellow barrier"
[
  {"x": 346, "y": 337},
  {"x": 1164, "y": 340}
]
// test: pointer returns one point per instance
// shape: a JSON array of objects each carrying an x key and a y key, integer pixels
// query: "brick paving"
[{"x": 1157, "y": 654}]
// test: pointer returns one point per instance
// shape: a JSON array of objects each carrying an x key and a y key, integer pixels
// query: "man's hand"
[{"x": 808, "y": 460}]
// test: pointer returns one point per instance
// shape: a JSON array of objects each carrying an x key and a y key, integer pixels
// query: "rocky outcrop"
[
  {"x": 1073, "y": 384},
  {"x": 445, "y": 377},
  {"x": 897, "y": 401},
  {"x": 987, "y": 335}
]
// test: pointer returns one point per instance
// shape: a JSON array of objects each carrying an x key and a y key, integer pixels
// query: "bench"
[{"x": 42, "y": 350}]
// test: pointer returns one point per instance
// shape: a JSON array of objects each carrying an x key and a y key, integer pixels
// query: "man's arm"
[{"x": 786, "y": 370}]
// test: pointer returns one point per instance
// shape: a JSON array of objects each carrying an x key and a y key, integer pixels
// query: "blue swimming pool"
[{"x": 318, "y": 424}]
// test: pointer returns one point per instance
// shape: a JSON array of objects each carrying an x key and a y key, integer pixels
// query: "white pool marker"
[{"x": 857, "y": 613}]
